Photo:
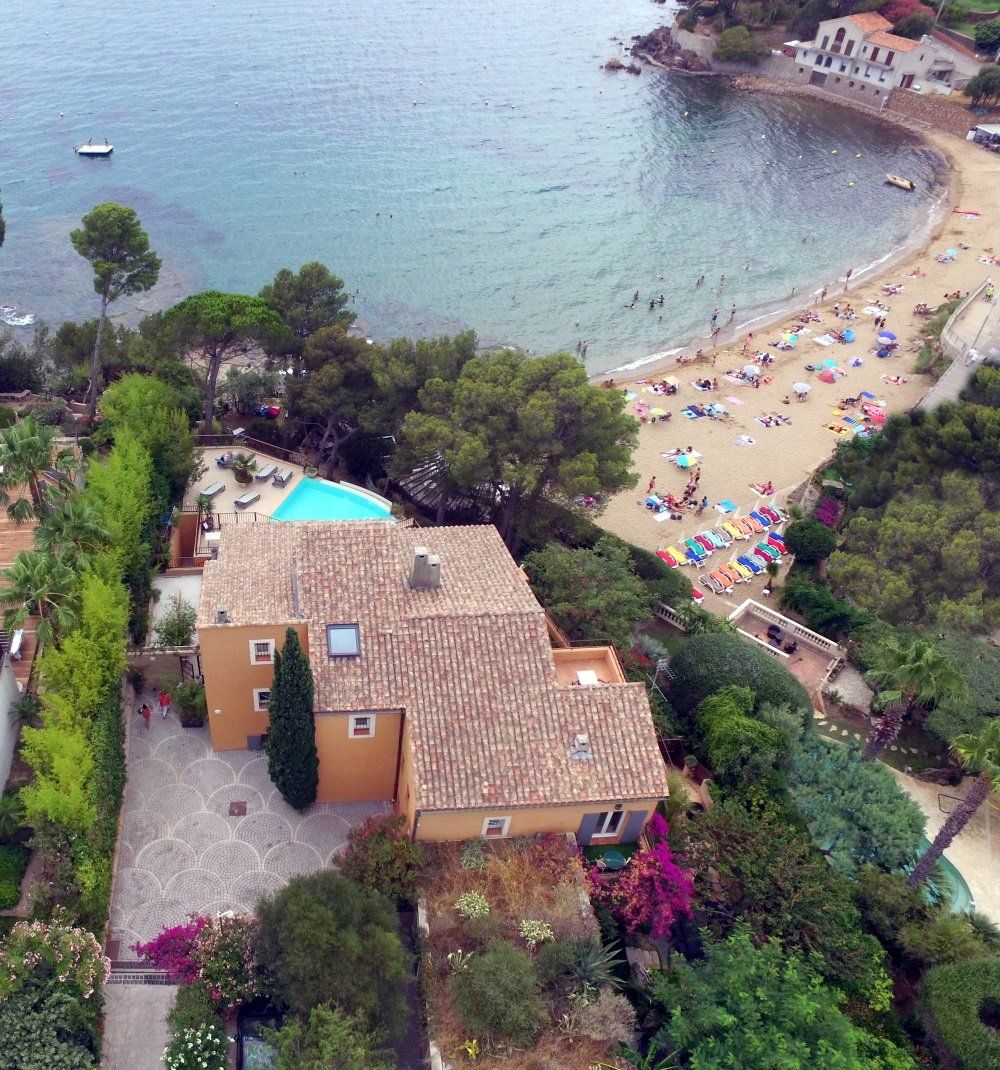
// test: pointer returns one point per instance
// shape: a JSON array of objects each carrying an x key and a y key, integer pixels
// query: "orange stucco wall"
[
  {"x": 230, "y": 679},
  {"x": 356, "y": 770},
  {"x": 468, "y": 824}
]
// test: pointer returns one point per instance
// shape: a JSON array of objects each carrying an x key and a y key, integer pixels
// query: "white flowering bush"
[
  {"x": 203, "y": 1048},
  {"x": 535, "y": 932},
  {"x": 472, "y": 905},
  {"x": 56, "y": 950}
]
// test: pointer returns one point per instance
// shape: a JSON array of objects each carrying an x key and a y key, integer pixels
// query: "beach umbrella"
[
  {"x": 684, "y": 460},
  {"x": 672, "y": 380},
  {"x": 952, "y": 252},
  {"x": 827, "y": 376},
  {"x": 752, "y": 370},
  {"x": 658, "y": 412},
  {"x": 829, "y": 363},
  {"x": 849, "y": 335},
  {"x": 801, "y": 388},
  {"x": 887, "y": 334}
]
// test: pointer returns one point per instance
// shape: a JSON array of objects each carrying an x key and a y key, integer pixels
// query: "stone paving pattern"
[{"x": 180, "y": 850}]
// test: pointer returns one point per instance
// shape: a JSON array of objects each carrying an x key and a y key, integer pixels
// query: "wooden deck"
[{"x": 14, "y": 537}]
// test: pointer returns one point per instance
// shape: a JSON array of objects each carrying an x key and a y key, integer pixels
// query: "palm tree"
[
  {"x": 910, "y": 675},
  {"x": 73, "y": 526},
  {"x": 40, "y": 585},
  {"x": 980, "y": 754},
  {"x": 27, "y": 451}
]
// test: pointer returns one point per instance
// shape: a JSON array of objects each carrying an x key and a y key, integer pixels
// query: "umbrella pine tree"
[{"x": 292, "y": 762}]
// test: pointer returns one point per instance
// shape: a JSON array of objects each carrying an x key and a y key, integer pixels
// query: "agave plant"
[{"x": 594, "y": 964}]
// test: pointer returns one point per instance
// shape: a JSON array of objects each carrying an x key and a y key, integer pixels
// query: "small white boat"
[
  {"x": 90, "y": 149},
  {"x": 903, "y": 183}
]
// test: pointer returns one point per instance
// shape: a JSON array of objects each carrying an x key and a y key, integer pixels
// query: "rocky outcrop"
[
  {"x": 615, "y": 64},
  {"x": 660, "y": 49}
]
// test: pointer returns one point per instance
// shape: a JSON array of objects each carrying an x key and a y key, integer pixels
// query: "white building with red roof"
[{"x": 860, "y": 55}]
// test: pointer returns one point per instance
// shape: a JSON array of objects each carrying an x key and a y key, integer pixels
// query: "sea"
[{"x": 459, "y": 165}]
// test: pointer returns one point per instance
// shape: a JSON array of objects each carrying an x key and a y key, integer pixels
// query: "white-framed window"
[
  {"x": 261, "y": 698},
  {"x": 343, "y": 640},
  {"x": 609, "y": 823},
  {"x": 495, "y": 828},
  {"x": 261, "y": 651},
  {"x": 361, "y": 725}
]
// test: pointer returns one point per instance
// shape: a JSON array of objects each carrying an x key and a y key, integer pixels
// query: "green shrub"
[
  {"x": 948, "y": 938},
  {"x": 497, "y": 996},
  {"x": 192, "y": 707},
  {"x": 193, "y": 1007},
  {"x": 7, "y": 416},
  {"x": 688, "y": 21},
  {"x": 13, "y": 863},
  {"x": 380, "y": 855},
  {"x": 955, "y": 997},
  {"x": 737, "y": 45},
  {"x": 987, "y": 35},
  {"x": 820, "y": 608},
  {"x": 707, "y": 663},
  {"x": 810, "y": 541},
  {"x": 203, "y": 1048},
  {"x": 175, "y": 628},
  {"x": 739, "y": 746}
]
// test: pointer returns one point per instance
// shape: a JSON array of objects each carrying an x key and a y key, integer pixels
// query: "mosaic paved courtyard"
[{"x": 208, "y": 832}]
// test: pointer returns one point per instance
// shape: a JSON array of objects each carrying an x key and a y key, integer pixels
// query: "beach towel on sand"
[{"x": 725, "y": 506}]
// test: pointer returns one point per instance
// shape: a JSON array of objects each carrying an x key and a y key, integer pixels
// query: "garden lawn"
[{"x": 913, "y": 747}]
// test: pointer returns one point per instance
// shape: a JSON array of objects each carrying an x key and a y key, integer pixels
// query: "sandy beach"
[{"x": 786, "y": 454}]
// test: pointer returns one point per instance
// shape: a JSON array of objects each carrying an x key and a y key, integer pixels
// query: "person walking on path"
[
  {"x": 164, "y": 700},
  {"x": 144, "y": 712}
]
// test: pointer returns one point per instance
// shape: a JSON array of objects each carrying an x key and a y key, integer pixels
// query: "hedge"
[
  {"x": 13, "y": 863},
  {"x": 707, "y": 663},
  {"x": 955, "y": 997}
]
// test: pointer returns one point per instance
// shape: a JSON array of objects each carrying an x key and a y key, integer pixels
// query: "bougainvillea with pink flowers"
[
  {"x": 173, "y": 950},
  {"x": 652, "y": 892},
  {"x": 55, "y": 949}
]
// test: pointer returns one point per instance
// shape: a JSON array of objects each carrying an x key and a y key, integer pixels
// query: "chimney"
[
  {"x": 425, "y": 569},
  {"x": 222, "y": 615}
]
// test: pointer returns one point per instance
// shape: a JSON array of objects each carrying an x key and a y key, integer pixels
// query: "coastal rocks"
[
  {"x": 615, "y": 64},
  {"x": 660, "y": 49}
]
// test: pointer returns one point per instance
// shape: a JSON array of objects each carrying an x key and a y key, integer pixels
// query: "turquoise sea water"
[
  {"x": 524, "y": 193},
  {"x": 311, "y": 500}
]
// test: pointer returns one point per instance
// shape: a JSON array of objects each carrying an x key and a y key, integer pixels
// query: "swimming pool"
[{"x": 316, "y": 500}]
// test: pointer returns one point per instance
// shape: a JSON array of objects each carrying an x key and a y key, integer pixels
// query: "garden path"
[{"x": 208, "y": 832}]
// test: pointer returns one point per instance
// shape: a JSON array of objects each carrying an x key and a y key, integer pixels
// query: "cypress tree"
[{"x": 292, "y": 762}]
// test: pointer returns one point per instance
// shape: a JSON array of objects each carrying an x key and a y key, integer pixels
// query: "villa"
[
  {"x": 859, "y": 55},
  {"x": 436, "y": 685}
]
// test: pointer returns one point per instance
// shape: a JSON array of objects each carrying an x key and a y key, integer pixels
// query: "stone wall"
[{"x": 937, "y": 112}]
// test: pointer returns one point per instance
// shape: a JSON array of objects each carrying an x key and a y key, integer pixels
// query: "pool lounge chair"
[
  {"x": 696, "y": 596},
  {"x": 693, "y": 559},
  {"x": 734, "y": 574},
  {"x": 771, "y": 514},
  {"x": 663, "y": 555},
  {"x": 744, "y": 572},
  {"x": 715, "y": 539},
  {"x": 705, "y": 543},
  {"x": 247, "y": 499},
  {"x": 744, "y": 525},
  {"x": 726, "y": 536},
  {"x": 212, "y": 489},
  {"x": 282, "y": 478},
  {"x": 775, "y": 540},
  {"x": 721, "y": 577},
  {"x": 748, "y": 563},
  {"x": 266, "y": 472},
  {"x": 756, "y": 527},
  {"x": 677, "y": 555},
  {"x": 767, "y": 551},
  {"x": 696, "y": 548},
  {"x": 762, "y": 518},
  {"x": 713, "y": 585},
  {"x": 732, "y": 529}
]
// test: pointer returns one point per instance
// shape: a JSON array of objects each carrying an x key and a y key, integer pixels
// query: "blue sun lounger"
[
  {"x": 748, "y": 562},
  {"x": 765, "y": 521}
]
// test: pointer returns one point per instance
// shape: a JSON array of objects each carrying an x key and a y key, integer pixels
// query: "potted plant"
[
  {"x": 243, "y": 467},
  {"x": 189, "y": 698},
  {"x": 310, "y": 471},
  {"x": 206, "y": 513}
]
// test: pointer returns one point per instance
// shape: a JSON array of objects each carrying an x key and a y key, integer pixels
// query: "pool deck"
[{"x": 271, "y": 497}]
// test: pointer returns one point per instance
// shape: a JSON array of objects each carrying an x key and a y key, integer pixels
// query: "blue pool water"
[{"x": 312, "y": 500}]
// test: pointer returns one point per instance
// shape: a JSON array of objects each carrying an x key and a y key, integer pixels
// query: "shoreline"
[
  {"x": 747, "y": 447},
  {"x": 769, "y": 313}
]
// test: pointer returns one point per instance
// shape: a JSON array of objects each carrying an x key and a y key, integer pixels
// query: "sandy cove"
[{"x": 787, "y": 455}]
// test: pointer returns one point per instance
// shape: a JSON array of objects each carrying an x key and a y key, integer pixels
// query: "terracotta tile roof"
[
  {"x": 870, "y": 21},
  {"x": 890, "y": 40},
  {"x": 470, "y": 662}
]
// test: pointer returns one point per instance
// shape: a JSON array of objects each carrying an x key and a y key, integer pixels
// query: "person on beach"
[
  {"x": 732, "y": 313},
  {"x": 715, "y": 334},
  {"x": 847, "y": 277},
  {"x": 652, "y": 485},
  {"x": 583, "y": 351},
  {"x": 635, "y": 296},
  {"x": 715, "y": 317},
  {"x": 661, "y": 300}
]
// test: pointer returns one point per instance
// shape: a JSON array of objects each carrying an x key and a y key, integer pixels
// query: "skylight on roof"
[{"x": 343, "y": 640}]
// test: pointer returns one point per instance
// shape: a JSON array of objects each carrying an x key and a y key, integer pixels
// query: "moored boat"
[{"x": 903, "y": 183}]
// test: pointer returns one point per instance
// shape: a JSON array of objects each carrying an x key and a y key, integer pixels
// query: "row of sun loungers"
[
  {"x": 280, "y": 477},
  {"x": 739, "y": 529}
]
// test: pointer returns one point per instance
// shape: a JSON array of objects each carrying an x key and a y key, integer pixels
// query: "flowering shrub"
[
  {"x": 534, "y": 933},
  {"x": 472, "y": 905},
  {"x": 652, "y": 892},
  {"x": 224, "y": 953},
  {"x": 55, "y": 950},
  {"x": 204, "y": 1048},
  {"x": 173, "y": 950}
]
